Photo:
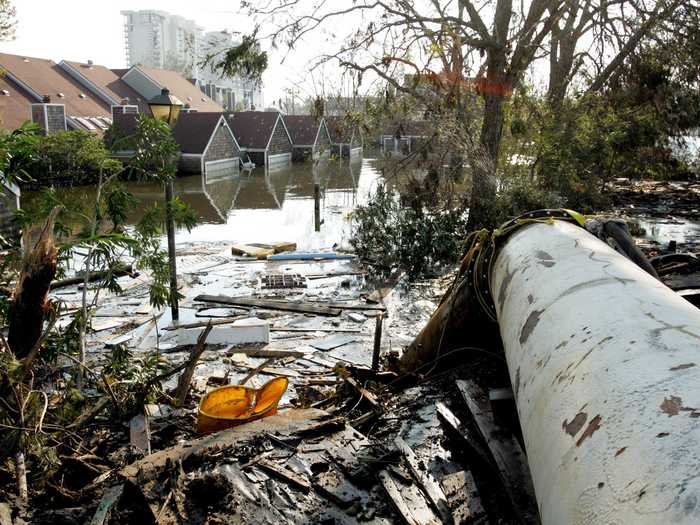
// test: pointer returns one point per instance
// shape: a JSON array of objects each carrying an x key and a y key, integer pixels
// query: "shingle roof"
[
  {"x": 252, "y": 128},
  {"x": 44, "y": 77},
  {"x": 193, "y": 130},
  {"x": 182, "y": 88},
  {"x": 302, "y": 128},
  {"x": 15, "y": 106},
  {"x": 111, "y": 83}
]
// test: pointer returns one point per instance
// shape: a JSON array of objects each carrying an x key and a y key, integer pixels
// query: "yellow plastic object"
[{"x": 229, "y": 406}]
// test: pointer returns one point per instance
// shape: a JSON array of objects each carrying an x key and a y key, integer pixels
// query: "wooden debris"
[
  {"x": 124, "y": 494},
  {"x": 369, "y": 396},
  {"x": 377, "y": 342},
  {"x": 264, "y": 352},
  {"x": 471, "y": 441},
  {"x": 200, "y": 324},
  {"x": 408, "y": 501},
  {"x": 306, "y": 330},
  {"x": 284, "y": 423},
  {"x": 282, "y": 281},
  {"x": 270, "y": 304},
  {"x": 462, "y": 496},
  {"x": 333, "y": 341},
  {"x": 284, "y": 474},
  {"x": 506, "y": 452},
  {"x": 427, "y": 482},
  {"x": 251, "y": 251},
  {"x": 119, "y": 271},
  {"x": 183, "y": 383},
  {"x": 323, "y": 428}
]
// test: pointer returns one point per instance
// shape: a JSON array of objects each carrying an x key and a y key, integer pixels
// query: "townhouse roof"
[
  {"x": 303, "y": 129},
  {"x": 253, "y": 129},
  {"x": 110, "y": 82},
  {"x": 14, "y": 105},
  {"x": 194, "y": 130},
  {"x": 37, "y": 77},
  {"x": 180, "y": 87}
]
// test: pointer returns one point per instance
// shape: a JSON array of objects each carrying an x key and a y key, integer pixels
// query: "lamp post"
[{"x": 166, "y": 107}]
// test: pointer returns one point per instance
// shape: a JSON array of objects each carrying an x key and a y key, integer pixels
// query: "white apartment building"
[
  {"x": 157, "y": 39},
  {"x": 160, "y": 40}
]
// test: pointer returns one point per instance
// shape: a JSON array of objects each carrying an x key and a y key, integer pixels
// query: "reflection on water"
[{"x": 264, "y": 206}]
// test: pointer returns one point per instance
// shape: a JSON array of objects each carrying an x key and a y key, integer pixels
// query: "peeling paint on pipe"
[{"x": 605, "y": 366}]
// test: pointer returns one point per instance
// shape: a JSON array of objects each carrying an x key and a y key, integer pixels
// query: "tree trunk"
[
  {"x": 29, "y": 301},
  {"x": 484, "y": 164}
]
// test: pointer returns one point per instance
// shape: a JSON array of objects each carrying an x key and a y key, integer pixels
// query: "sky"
[{"x": 83, "y": 30}]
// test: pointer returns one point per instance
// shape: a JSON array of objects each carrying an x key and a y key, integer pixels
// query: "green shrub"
[{"x": 392, "y": 237}]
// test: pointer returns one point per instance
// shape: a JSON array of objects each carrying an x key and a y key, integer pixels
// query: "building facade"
[
  {"x": 157, "y": 39},
  {"x": 235, "y": 94}
]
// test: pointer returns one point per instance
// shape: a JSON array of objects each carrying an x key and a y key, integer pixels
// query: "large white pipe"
[{"x": 605, "y": 365}]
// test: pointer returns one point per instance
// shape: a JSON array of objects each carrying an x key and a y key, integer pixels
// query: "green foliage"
[
  {"x": 390, "y": 236},
  {"x": 156, "y": 151},
  {"x": 18, "y": 152},
  {"x": 246, "y": 60}
]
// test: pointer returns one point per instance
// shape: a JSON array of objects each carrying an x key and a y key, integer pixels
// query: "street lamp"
[{"x": 166, "y": 107}]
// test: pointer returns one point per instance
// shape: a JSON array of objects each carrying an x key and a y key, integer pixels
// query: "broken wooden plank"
[
  {"x": 284, "y": 423},
  {"x": 427, "y": 482},
  {"x": 264, "y": 352},
  {"x": 508, "y": 456},
  {"x": 369, "y": 396},
  {"x": 412, "y": 507},
  {"x": 284, "y": 474},
  {"x": 201, "y": 324},
  {"x": 269, "y": 304},
  {"x": 306, "y": 330},
  {"x": 253, "y": 251},
  {"x": 468, "y": 438},
  {"x": 462, "y": 496},
  {"x": 333, "y": 341}
]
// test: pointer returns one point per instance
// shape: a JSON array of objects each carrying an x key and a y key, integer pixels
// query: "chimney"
[
  {"x": 124, "y": 108},
  {"x": 50, "y": 117},
  {"x": 90, "y": 63}
]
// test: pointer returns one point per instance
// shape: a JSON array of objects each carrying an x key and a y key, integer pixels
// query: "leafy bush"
[{"x": 390, "y": 236}]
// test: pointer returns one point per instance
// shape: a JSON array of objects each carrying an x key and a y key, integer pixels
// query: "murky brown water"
[{"x": 263, "y": 206}]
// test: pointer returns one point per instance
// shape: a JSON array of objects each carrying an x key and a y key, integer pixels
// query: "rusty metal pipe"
[{"x": 605, "y": 366}]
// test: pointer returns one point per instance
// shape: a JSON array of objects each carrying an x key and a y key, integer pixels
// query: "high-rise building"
[
  {"x": 157, "y": 39},
  {"x": 160, "y": 40}
]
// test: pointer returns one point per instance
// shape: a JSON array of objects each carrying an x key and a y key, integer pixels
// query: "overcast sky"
[{"x": 84, "y": 30}]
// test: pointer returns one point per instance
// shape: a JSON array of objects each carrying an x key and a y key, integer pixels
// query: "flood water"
[{"x": 262, "y": 206}]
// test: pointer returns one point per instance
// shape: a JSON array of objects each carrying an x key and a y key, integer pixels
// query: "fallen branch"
[
  {"x": 183, "y": 383},
  {"x": 119, "y": 271}
]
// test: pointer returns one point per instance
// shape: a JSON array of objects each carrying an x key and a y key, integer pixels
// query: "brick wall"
[
  {"x": 222, "y": 146},
  {"x": 280, "y": 142}
]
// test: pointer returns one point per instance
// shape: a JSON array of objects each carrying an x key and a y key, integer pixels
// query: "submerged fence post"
[
  {"x": 170, "y": 227},
  {"x": 377, "y": 342},
  {"x": 605, "y": 365},
  {"x": 317, "y": 207}
]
